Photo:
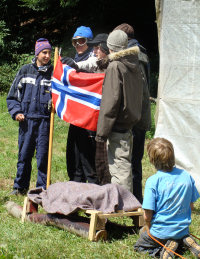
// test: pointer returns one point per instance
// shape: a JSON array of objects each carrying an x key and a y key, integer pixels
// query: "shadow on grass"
[
  {"x": 114, "y": 230},
  {"x": 118, "y": 231},
  {"x": 3, "y": 200},
  {"x": 196, "y": 211}
]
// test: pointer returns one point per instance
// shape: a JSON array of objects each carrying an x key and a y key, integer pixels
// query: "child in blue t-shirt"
[{"x": 168, "y": 200}]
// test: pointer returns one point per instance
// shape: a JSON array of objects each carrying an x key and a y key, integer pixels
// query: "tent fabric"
[{"x": 178, "y": 101}]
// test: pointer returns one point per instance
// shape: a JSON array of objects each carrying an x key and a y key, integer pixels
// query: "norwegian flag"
[{"x": 77, "y": 96}]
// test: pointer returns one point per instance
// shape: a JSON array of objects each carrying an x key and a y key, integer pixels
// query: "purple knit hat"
[{"x": 41, "y": 44}]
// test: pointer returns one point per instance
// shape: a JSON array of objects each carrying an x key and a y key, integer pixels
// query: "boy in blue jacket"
[
  {"x": 27, "y": 103},
  {"x": 168, "y": 200}
]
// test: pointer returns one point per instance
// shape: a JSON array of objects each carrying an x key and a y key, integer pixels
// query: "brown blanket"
[{"x": 67, "y": 197}]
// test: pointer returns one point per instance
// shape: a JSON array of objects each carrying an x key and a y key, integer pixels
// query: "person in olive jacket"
[
  {"x": 121, "y": 106},
  {"x": 27, "y": 102},
  {"x": 144, "y": 124}
]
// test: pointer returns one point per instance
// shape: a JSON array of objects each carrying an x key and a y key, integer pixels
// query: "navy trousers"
[
  {"x": 80, "y": 156},
  {"x": 137, "y": 155},
  {"x": 33, "y": 134}
]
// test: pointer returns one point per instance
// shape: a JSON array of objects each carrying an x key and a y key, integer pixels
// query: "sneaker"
[
  {"x": 191, "y": 244},
  {"x": 19, "y": 192},
  {"x": 166, "y": 254}
]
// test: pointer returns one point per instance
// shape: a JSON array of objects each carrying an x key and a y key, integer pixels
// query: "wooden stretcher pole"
[{"x": 51, "y": 130}]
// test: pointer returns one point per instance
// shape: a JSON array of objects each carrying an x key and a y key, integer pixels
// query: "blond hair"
[{"x": 161, "y": 154}]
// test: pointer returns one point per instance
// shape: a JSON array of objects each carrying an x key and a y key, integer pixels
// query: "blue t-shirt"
[{"x": 169, "y": 195}]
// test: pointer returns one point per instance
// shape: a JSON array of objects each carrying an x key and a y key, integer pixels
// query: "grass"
[{"x": 34, "y": 241}]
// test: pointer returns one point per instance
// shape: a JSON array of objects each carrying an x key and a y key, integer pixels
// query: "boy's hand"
[
  {"x": 49, "y": 105},
  {"x": 20, "y": 117}
]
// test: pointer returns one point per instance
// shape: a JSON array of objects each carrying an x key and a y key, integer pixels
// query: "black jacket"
[{"x": 145, "y": 121}]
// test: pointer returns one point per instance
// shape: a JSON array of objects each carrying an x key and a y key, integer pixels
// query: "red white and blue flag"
[{"x": 77, "y": 96}]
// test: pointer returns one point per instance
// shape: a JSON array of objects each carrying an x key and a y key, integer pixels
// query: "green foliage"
[
  {"x": 65, "y": 3},
  {"x": 12, "y": 35},
  {"x": 7, "y": 48},
  {"x": 41, "y": 5},
  {"x": 154, "y": 84},
  {"x": 24, "y": 21},
  {"x": 3, "y": 33},
  {"x": 9, "y": 70},
  {"x": 36, "y": 5},
  {"x": 154, "y": 63},
  {"x": 151, "y": 132}
]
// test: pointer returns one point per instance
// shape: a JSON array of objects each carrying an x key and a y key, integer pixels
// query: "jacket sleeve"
[
  {"x": 110, "y": 103},
  {"x": 14, "y": 96},
  {"x": 88, "y": 65}
]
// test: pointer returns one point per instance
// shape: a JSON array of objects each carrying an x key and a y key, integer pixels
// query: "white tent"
[{"x": 178, "y": 105}]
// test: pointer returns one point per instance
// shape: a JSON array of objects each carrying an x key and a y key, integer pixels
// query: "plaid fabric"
[{"x": 101, "y": 163}]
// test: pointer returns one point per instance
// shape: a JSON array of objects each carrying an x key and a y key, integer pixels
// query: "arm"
[
  {"x": 195, "y": 194},
  {"x": 148, "y": 214},
  {"x": 88, "y": 65},
  {"x": 149, "y": 201},
  {"x": 110, "y": 103},
  {"x": 14, "y": 97}
]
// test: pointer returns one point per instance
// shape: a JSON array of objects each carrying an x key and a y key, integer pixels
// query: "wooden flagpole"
[{"x": 51, "y": 130}]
